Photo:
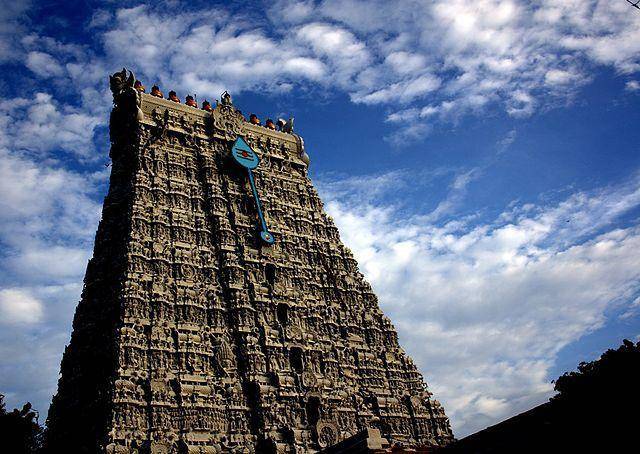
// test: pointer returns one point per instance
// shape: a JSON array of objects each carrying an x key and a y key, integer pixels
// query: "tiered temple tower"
[{"x": 194, "y": 335}]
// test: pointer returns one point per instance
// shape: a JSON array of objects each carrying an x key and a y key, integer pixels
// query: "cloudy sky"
[{"x": 481, "y": 158}]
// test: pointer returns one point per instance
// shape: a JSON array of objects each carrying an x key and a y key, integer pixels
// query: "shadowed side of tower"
[
  {"x": 195, "y": 335},
  {"x": 80, "y": 414}
]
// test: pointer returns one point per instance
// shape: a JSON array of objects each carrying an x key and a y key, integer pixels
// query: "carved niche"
[
  {"x": 327, "y": 433},
  {"x": 226, "y": 119}
]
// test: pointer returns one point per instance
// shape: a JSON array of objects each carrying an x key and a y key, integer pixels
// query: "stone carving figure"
[
  {"x": 288, "y": 126},
  {"x": 126, "y": 98},
  {"x": 227, "y": 120},
  {"x": 226, "y": 99},
  {"x": 327, "y": 434}
]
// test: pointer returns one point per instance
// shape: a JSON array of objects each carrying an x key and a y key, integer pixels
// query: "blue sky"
[{"x": 480, "y": 158}]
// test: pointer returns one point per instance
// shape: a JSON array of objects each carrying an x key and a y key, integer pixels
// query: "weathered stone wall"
[{"x": 207, "y": 338}]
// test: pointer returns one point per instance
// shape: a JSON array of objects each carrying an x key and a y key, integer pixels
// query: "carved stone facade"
[{"x": 194, "y": 336}]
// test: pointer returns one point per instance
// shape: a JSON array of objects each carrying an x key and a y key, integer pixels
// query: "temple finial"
[{"x": 226, "y": 99}]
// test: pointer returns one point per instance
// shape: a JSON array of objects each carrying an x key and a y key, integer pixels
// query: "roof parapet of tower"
[
  {"x": 191, "y": 101},
  {"x": 224, "y": 120}
]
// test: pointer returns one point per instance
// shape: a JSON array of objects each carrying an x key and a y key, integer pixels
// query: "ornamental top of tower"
[{"x": 224, "y": 120}]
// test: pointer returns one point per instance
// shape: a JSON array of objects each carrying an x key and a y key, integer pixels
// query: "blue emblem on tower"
[{"x": 244, "y": 155}]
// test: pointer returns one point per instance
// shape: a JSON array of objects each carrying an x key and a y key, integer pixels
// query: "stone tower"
[{"x": 194, "y": 335}]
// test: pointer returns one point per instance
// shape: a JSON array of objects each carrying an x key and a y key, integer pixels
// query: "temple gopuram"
[{"x": 220, "y": 310}]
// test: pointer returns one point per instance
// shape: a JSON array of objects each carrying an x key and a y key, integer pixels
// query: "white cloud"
[
  {"x": 341, "y": 49},
  {"x": 31, "y": 351},
  {"x": 42, "y": 209},
  {"x": 44, "y": 65},
  {"x": 100, "y": 18},
  {"x": 559, "y": 77},
  {"x": 444, "y": 57},
  {"x": 45, "y": 263},
  {"x": 507, "y": 140},
  {"x": 313, "y": 69},
  {"x": 632, "y": 85},
  {"x": 633, "y": 310},
  {"x": 18, "y": 306},
  {"x": 42, "y": 125},
  {"x": 48, "y": 217},
  {"x": 402, "y": 92},
  {"x": 207, "y": 52},
  {"x": 520, "y": 104},
  {"x": 11, "y": 28},
  {"x": 484, "y": 307},
  {"x": 405, "y": 62},
  {"x": 412, "y": 132},
  {"x": 457, "y": 192},
  {"x": 514, "y": 54}
]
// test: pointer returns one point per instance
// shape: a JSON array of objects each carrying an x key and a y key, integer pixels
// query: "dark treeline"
[{"x": 19, "y": 430}]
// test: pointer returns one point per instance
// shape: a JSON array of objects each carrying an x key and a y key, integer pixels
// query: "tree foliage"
[
  {"x": 19, "y": 429},
  {"x": 613, "y": 377}
]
